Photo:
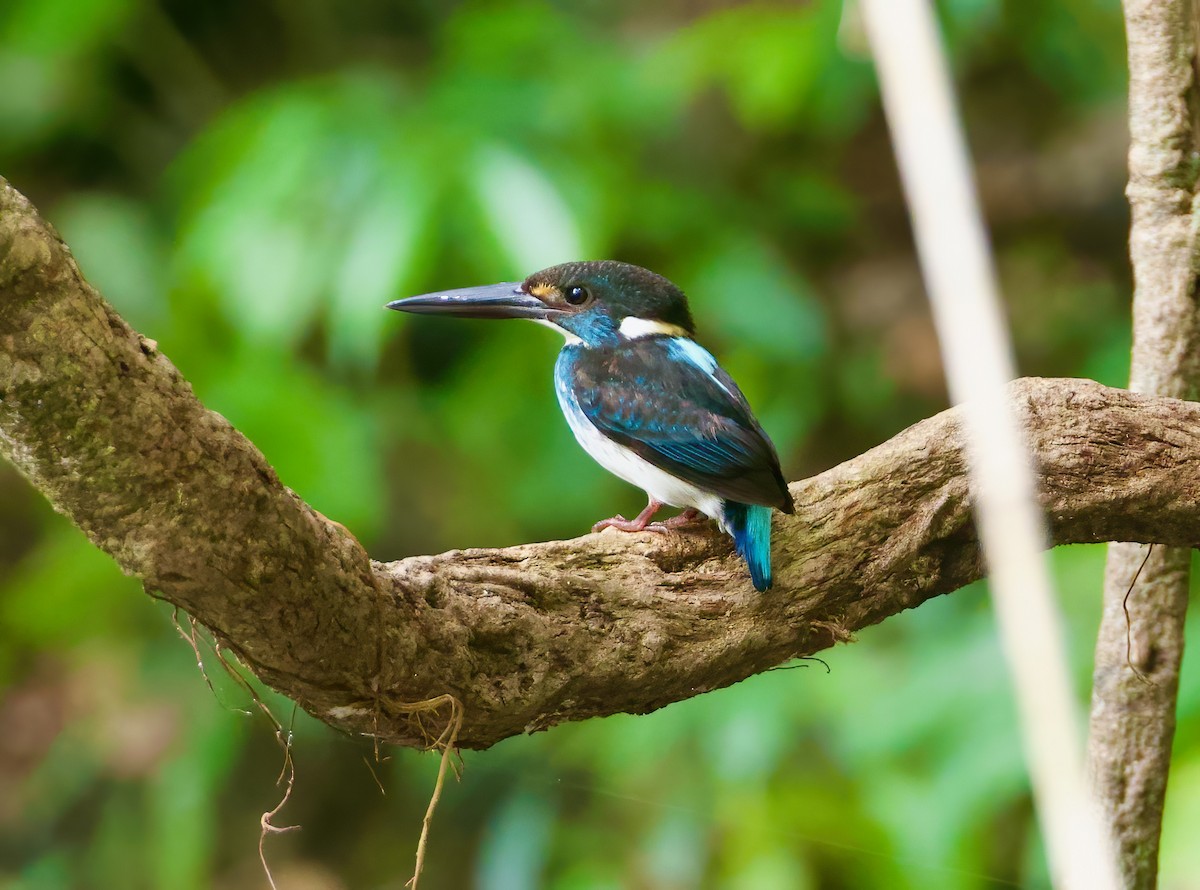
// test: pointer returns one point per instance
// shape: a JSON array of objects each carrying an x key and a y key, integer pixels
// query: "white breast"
[{"x": 625, "y": 464}]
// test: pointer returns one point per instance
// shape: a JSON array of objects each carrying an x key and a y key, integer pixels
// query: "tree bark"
[
  {"x": 530, "y": 636},
  {"x": 1140, "y": 645}
]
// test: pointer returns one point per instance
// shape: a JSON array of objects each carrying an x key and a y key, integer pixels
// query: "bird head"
[{"x": 596, "y": 303}]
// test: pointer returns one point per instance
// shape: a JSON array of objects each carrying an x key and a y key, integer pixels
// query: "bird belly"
[{"x": 623, "y": 463}]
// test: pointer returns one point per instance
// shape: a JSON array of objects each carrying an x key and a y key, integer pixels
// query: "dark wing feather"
[{"x": 655, "y": 399}]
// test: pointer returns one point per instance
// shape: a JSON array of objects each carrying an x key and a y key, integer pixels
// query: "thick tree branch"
[
  {"x": 1136, "y": 677},
  {"x": 529, "y": 636}
]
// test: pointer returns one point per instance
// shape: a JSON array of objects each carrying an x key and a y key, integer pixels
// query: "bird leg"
[
  {"x": 640, "y": 523},
  {"x": 690, "y": 516}
]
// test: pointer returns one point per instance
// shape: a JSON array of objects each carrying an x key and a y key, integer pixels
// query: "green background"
[{"x": 248, "y": 181}]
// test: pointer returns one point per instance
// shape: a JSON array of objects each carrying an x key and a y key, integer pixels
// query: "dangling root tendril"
[{"x": 1129, "y": 621}]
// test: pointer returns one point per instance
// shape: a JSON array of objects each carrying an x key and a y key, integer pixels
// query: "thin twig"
[
  {"x": 1129, "y": 621},
  {"x": 375, "y": 776},
  {"x": 287, "y": 771},
  {"x": 192, "y": 637},
  {"x": 266, "y": 820},
  {"x": 446, "y": 742}
]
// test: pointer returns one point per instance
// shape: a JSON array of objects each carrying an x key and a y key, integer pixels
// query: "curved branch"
[{"x": 530, "y": 636}]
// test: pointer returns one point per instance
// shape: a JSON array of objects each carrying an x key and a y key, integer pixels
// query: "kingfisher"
[{"x": 643, "y": 398}]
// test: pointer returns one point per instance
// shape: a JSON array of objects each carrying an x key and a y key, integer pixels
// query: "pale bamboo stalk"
[{"x": 963, "y": 291}]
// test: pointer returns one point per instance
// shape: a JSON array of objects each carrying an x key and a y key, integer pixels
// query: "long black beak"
[{"x": 505, "y": 300}]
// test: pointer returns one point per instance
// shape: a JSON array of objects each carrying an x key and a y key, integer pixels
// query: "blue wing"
[{"x": 668, "y": 401}]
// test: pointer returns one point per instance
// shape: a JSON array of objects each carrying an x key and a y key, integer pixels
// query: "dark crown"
[{"x": 624, "y": 290}]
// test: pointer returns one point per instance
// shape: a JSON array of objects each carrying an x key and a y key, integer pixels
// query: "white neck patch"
[
  {"x": 571, "y": 339},
  {"x": 632, "y": 328}
]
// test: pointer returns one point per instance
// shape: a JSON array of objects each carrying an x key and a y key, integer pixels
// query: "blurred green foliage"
[{"x": 249, "y": 182}]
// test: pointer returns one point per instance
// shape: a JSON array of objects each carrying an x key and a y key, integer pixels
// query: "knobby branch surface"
[
  {"x": 1138, "y": 652},
  {"x": 530, "y": 636}
]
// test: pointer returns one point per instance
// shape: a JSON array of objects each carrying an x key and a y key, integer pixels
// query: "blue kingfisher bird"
[{"x": 646, "y": 401}]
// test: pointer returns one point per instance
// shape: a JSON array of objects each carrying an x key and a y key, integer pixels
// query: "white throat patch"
[
  {"x": 571, "y": 339},
  {"x": 632, "y": 328}
]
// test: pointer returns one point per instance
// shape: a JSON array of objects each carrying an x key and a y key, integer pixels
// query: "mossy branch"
[{"x": 530, "y": 636}]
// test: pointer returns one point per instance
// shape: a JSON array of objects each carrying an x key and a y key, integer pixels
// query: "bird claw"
[
  {"x": 642, "y": 522},
  {"x": 620, "y": 523},
  {"x": 683, "y": 520},
  {"x": 615, "y": 522}
]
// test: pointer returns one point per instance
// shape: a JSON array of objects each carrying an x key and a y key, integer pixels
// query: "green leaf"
[{"x": 525, "y": 212}]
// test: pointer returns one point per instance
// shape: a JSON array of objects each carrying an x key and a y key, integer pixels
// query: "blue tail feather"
[{"x": 750, "y": 526}]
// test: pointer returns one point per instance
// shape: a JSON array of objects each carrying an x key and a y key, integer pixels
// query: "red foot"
[
  {"x": 642, "y": 523},
  {"x": 639, "y": 524}
]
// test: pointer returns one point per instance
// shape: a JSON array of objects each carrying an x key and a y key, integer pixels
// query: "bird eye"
[{"x": 577, "y": 295}]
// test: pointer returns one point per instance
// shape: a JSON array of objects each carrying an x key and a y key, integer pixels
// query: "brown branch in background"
[
  {"x": 529, "y": 636},
  {"x": 1140, "y": 644}
]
